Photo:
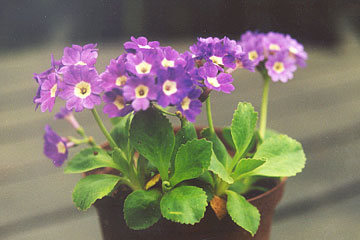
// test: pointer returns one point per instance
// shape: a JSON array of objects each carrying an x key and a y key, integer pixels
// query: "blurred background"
[{"x": 319, "y": 107}]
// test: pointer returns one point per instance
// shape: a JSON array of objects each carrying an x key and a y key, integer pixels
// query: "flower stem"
[
  {"x": 264, "y": 106},
  {"x": 164, "y": 111},
  {"x": 103, "y": 128},
  {"x": 209, "y": 116}
]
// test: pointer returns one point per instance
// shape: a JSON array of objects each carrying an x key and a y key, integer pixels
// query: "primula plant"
[{"x": 171, "y": 175}]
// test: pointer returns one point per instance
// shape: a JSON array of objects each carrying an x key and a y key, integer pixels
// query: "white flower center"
[
  {"x": 143, "y": 67},
  {"x": 185, "y": 103},
  {"x": 293, "y": 50},
  {"x": 82, "y": 89},
  {"x": 120, "y": 81},
  {"x": 119, "y": 102},
  {"x": 278, "y": 67},
  {"x": 213, "y": 81},
  {"x": 253, "y": 55},
  {"x": 53, "y": 90},
  {"x": 274, "y": 47},
  {"x": 80, "y": 63},
  {"x": 169, "y": 87},
  {"x": 61, "y": 147},
  {"x": 144, "y": 46},
  {"x": 217, "y": 60},
  {"x": 141, "y": 91},
  {"x": 167, "y": 63}
]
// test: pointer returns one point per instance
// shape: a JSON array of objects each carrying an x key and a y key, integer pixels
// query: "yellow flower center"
[
  {"x": 274, "y": 47},
  {"x": 141, "y": 91},
  {"x": 120, "y": 81},
  {"x": 53, "y": 90},
  {"x": 80, "y": 63},
  {"x": 119, "y": 102},
  {"x": 217, "y": 60},
  {"x": 82, "y": 89},
  {"x": 169, "y": 87},
  {"x": 61, "y": 147},
  {"x": 213, "y": 81},
  {"x": 143, "y": 67},
  {"x": 185, "y": 103},
  {"x": 278, "y": 67},
  {"x": 253, "y": 55},
  {"x": 166, "y": 63}
]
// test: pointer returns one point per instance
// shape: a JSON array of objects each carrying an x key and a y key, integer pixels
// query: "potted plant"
[{"x": 151, "y": 180}]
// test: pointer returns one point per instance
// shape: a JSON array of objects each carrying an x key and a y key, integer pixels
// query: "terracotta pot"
[{"x": 113, "y": 226}]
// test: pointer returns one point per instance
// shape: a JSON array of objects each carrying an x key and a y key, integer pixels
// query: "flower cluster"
[
  {"x": 146, "y": 73},
  {"x": 281, "y": 53}
]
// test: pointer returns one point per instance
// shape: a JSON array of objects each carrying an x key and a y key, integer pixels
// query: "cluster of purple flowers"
[
  {"x": 145, "y": 73},
  {"x": 281, "y": 53}
]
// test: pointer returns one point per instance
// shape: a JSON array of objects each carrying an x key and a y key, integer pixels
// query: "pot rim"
[{"x": 281, "y": 183}]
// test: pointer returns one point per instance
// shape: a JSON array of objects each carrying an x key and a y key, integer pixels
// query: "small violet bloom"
[
  {"x": 190, "y": 106},
  {"x": 140, "y": 90},
  {"x": 274, "y": 42},
  {"x": 174, "y": 84},
  {"x": 115, "y": 75},
  {"x": 280, "y": 67},
  {"x": 48, "y": 93},
  {"x": 77, "y": 55},
  {"x": 296, "y": 50},
  {"x": 140, "y": 43},
  {"x": 168, "y": 57},
  {"x": 253, "y": 46},
  {"x": 81, "y": 89},
  {"x": 221, "y": 82},
  {"x": 55, "y": 147},
  {"x": 68, "y": 116},
  {"x": 142, "y": 62},
  {"x": 115, "y": 105}
]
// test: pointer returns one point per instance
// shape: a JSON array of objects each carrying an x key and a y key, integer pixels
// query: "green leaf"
[
  {"x": 219, "y": 148},
  {"x": 284, "y": 157},
  {"x": 219, "y": 169},
  {"x": 247, "y": 167},
  {"x": 185, "y": 204},
  {"x": 228, "y": 138},
  {"x": 142, "y": 209},
  {"x": 93, "y": 187},
  {"x": 115, "y": 120},
  {"x": 192, "y": 160},
  {"x": 153, "y": 137},
  {"x": 186, "y": 133},
  {"x": 271, "y": 133},
  {"x": 243, "y": 126},
  {"x": 242, "y": 212},
  {"x": 120, "y": 133},
  {"x": 89, "y": 159}
]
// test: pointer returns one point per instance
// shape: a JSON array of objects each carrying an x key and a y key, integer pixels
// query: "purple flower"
[
  {"x": 140, "y": 90},
  {"x": 81, "y": 88},
  {"x": 115, "y": 105},
  {"x": 68, "y": 116},
  {"x": 253, "y": 46},
  {"x": 297, "y": 51},
  {"x": 274, "y": 42},
  {"x": 140, "y": 43},
  {"x": 280, "y": 67},
  {"x": 168, "y": 57},
  {"x": 42, "y": 77},
  {"x": 174, "y": 84},
  {"x": 115, "y": 75},
  {"x": 77, "y": 55},
  {"x": 190, "y": 106},
  {"x": 142, "y": 62},
  {"x": 54, "y": 147},
  {"x": 48, "y": 93},
  {"x": 221, "y": 82}
]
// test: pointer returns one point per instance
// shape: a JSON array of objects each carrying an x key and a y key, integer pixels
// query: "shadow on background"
[{"x": 29, "y": 22}]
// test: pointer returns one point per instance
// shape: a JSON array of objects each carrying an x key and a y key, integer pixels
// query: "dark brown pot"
[{"x": 113, "y": 226}]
